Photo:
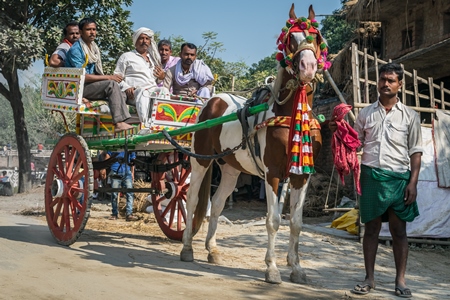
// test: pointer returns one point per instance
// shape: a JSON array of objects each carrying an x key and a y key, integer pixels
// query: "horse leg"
[
  {"x": 299, "y": 187},
  {"x": 227, "y": 184},
  {"x": 272, "y": 224},
  {"x": 197, "y": 174}
]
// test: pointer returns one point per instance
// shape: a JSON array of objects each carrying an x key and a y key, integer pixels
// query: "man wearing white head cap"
[{"x": 141, "y": 71}]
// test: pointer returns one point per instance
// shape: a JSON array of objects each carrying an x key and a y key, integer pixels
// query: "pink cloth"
[
  {"x": 344, "y": 144},
  {"x": 172, "y": 61}
]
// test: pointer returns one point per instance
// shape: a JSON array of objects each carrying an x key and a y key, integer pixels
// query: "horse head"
[{"x": 302, "y": 48}]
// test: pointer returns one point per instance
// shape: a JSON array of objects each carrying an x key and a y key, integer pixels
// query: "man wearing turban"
[{"x": 141, "y": 71}]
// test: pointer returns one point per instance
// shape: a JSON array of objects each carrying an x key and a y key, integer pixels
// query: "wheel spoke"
[
  {"x": 77, "y": 168},
  {"x": 57, "y": 211},
  {"x": 59, "y": 168},
  {"x": 70, "y": 162}
]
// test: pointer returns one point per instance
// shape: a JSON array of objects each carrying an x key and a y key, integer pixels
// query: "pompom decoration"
[
  {"x": 279, "y": 56},
  {"x": 305, "y": 25}
]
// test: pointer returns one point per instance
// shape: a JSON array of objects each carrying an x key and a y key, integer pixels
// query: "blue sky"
[{"x": 247, "y": 28}]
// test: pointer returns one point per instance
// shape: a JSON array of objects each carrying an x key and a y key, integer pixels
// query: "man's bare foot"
[
  {"x": 87, "y": 103},
  {"x": 122, "y": 126}
]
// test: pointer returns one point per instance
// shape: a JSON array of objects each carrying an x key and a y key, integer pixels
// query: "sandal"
[
  {"x": 132, "y": 218},
  {"x": 403, "y": 292},
  {"x": 362, "y": 289},
  {"x": 112, "y": 217}
]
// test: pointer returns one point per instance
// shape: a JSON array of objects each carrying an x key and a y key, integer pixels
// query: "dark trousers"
[{"x": 109, "y": 90}]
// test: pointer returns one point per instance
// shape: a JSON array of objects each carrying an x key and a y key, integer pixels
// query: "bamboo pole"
[
  {"x": 442, "y": 96},
  {"x": 354, "y": 77},
  {"x": 338, "y": 92},
  {"x": 416, "y": 91},
  {"x": 366, "y": 78},
  {"x": 403, "y": 86},
  {"x": 376, "y": 72},
  {"x": 431, "y": 88},
  {"x": 418, "y": 109}
]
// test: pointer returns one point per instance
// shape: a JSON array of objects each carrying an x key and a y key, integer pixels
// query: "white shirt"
[
  {"x": 135, "y": 70},
  {"x": 389, "y": 139},
  {"x": 62, "y": 50}
]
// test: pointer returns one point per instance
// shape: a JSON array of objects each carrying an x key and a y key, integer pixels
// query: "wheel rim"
[
  {"x": 170, "y": 207},
  {"x": 68, "y": 189}
]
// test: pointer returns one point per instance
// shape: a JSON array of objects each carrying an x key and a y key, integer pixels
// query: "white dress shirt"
[
  {"x": 389, "y": 139},
  {"x": 138, "y": 73}
]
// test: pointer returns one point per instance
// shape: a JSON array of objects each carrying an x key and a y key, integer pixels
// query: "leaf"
[
  {"x": 188, "y": 113},
  {"x": 168, "y": 111}
]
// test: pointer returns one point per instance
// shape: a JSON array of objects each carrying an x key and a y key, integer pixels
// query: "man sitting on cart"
[
  {"x": 190, "y": 77},
  {"x": 141, "y": 71},
  {"x": 71, "y": 35},
  {"x": 98, "y": 86}
]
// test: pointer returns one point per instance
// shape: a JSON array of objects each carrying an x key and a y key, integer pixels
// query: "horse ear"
[
  {"x": 312, "y": 14},
  {"x": 292, "y": 13}
]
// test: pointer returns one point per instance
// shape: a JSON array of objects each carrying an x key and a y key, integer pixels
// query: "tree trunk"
[{"x": 23, "y": 144}]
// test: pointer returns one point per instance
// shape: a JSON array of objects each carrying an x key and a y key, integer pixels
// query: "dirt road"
[{"x": 120, "y": 260}]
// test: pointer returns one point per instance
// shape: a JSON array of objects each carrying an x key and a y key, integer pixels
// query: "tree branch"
[{"x": 5, "y": 92}]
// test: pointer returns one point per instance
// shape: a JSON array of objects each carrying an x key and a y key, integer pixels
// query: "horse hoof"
[
  {"x": 187, "y": 255},
  {"x": 214, "y": 258},
  {"x": 273, "y": 276},
  {"x": 298, "y": 277}
]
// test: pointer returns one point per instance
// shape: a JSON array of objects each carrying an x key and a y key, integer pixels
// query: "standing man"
[
  {"x": 98, "y": 86},
  {"x": 391, "y": 138},
  {"x": 141, "y": 70},
  {"x": 71, "y": 35},
  {"x": 122, "y": 175},
  {"x": 190, "y": 76}
]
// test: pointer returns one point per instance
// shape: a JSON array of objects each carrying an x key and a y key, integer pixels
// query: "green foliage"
[
  {"x": 41, "y": 123},
  {"x": 337, "y": 31},
  {"x": 35, "y": 27}
]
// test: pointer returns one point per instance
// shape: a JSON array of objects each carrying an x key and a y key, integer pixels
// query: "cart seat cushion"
[{"x": 102, "y": 107}]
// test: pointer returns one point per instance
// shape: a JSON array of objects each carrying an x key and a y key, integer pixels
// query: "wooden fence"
[{"x": 365, "y": 77}]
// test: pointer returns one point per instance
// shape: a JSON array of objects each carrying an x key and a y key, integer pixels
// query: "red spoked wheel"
[
  {"x": 68, "y": 189},
  {"x": 169, "y": 205}
]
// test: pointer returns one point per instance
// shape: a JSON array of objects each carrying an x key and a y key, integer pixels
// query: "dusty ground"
[{"x": 118, "y": 259}]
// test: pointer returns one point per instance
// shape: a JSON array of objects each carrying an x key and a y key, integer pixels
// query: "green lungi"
[{"x": 382, "y": 189}]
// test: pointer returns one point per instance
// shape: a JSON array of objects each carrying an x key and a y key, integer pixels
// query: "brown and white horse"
[{"x": 299, "y": 61}]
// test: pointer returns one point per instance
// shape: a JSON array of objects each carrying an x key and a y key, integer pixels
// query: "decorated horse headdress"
[{"x": 313, "y": 41}]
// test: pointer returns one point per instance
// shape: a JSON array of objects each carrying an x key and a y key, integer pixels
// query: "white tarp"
[
  {"x": 433, "y": 202},
  {"x": 442, "y": 141}
]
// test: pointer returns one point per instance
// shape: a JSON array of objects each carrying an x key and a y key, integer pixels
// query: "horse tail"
[{"x": 203, "y": 198}]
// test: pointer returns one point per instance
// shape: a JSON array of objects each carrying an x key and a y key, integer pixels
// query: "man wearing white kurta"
[{"x": 141, "y": 71}]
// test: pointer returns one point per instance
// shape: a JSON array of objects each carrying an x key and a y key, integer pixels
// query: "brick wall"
[{"x": 426, "y": 20}]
